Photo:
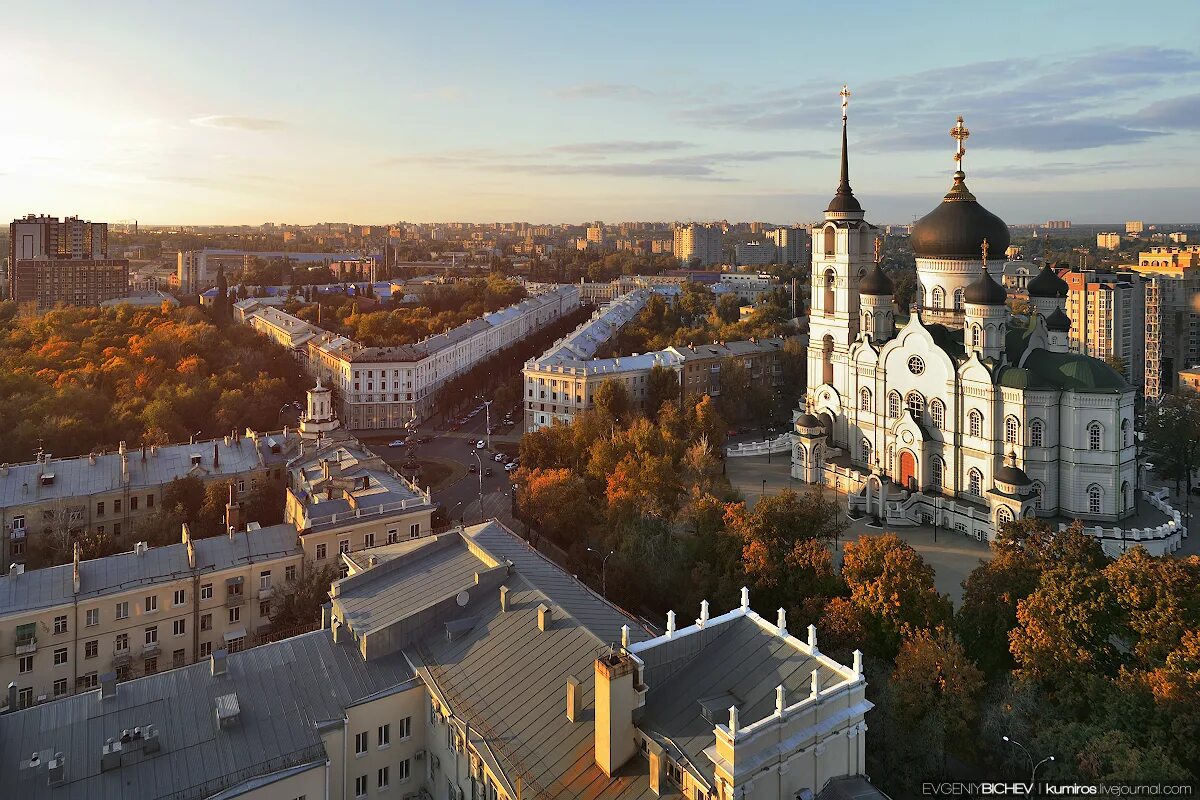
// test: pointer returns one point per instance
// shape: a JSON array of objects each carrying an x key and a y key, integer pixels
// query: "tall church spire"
[{"x": 844, "y": 201}]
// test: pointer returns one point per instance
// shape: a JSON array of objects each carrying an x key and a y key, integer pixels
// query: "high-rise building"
[
  {"x": 1178, "y": 237},
  {"x": 53, "y": 262},
  {"x": 595, "y": 235},
  {"x": 789, "y": 244},
  {"x": 699, "y": 242},
  {"x": 1108, "y": 317},
  {"x": 753, "y": 254},
  {"x": 1058, "y": 224},
  {"x": 1108, "y": 241},
  {"x": 1135, "y": 226},
  {"x": 1172, "y": 335}
]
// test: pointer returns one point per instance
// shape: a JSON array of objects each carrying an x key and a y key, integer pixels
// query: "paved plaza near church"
[{"x": 952, "y": 555}]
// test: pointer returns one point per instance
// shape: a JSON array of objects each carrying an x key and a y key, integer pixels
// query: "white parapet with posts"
[
  {"x": 1159, "y": 540},
  {"x": 780, "y": 444}
]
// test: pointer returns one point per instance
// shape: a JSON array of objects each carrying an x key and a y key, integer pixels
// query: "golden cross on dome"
[
  {"x": 878, "y": 249},
  {"x": 845, "y": 95},
  {"x": 985, "y": 249},
  {"x": 960, "y": 132}
]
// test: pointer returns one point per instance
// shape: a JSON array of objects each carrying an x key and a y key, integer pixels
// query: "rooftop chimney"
[
  {"x": 12, "y": 697},
  {"x": 219, "y": 662},
  {"x": 504, "y": 598},
  {"x": 216, "y": 456},
  {"x": 75, "y": 570},
  {"x": 233, "y": 513},
  {"x": 544, "y": 616},
  {"x": 57, "y": 770},
  {"x": 615, "y": 702},
  {"x": 15, "y": 569}
]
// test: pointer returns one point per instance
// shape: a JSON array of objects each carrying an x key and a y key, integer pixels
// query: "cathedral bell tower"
[
  {"x": 876, "y": 301},
  {"x": 841, "y": 255}
]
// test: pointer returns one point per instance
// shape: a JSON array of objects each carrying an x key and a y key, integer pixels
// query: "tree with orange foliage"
[{"x": 558, "y": 500}]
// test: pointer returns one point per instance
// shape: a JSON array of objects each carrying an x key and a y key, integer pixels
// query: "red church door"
[{"x": 908, "y": 470}]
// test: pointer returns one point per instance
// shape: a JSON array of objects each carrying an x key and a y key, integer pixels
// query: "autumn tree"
[
  {"x": 1173, "y": 436},
  {"x": 299, "y": 600},
  {"x": 935, "y": 680},
  {"x": 558, "y": 500},
  {"x": 611, "y": 399},
  {"x": 662, "y": 386}
]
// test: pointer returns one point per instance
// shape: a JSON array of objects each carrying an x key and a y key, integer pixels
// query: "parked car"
[
  {"x": 424, "y": 439},
  {"x": 396, "y": 443},
  {"x": 480, "y": 445},
  {"x": 500, "y": 457},
  {"x": 510, "y": 466}
]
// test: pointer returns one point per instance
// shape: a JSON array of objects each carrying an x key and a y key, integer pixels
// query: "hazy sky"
[{"x": 247, "y": 112}]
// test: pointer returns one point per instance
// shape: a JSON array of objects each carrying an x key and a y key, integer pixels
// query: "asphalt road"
[{"x": 474, "y": 496}]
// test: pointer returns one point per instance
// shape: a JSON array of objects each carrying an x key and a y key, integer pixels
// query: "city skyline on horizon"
[{"x": 1100, "y": 130}]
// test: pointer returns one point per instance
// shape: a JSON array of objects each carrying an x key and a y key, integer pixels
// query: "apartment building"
[
  {"x": 196, "y": 270},
  {"x": 468, "y": 666},
  {"x": 109, "y": 492},
  {"x": 1108, "y": 317},
  {"x": 53, "y": 262},
  {"x": 790, "y": 244},
  {"x": 700, "y": 365},
  {"x": 1172, "y": 323},
  {"x": 343, "y": 498},
  {"x": 1135, "y": 226},
  {"x": 753, "y": 254},
  {"x": 749, "y": 286},
  {"x": 1108, "y": 241},
  {"x": 139, "y": 612},
  {"x": 389, "y": 387},
  {"x": 701, "y": 243},
  {"x": 562, "y": 382}
]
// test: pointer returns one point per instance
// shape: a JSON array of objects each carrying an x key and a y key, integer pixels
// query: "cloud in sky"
[
  {"x": 619, "y": 146},
  {"x": 231, "y": 122}
]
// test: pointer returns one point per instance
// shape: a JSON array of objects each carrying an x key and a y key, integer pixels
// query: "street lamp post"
[
  {"x": 764, "y": 488},
  {"x": 1033, "y": 764},
  {"x": 480, "y": 463},
  {"x": 603, "y": 572},
  {"x": 487, "y": 421}
]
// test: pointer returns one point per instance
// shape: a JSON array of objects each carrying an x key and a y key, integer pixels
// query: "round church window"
[{"x": 916, "y": 365}]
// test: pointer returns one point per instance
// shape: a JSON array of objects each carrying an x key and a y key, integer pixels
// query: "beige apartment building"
[
  {"x": 1172, "y": 334},
  {"x": 468, "y": 666},
  {"x": 1108, "y": 316},
  {"x": 109, "y": 492},
  {"x": 140, "y": 612},
  {"x": 703, "y": 242}
]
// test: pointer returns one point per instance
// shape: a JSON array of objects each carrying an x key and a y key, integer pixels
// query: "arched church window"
[
  {"x": 830, "y": 240},
  {"x": 867, "y": 320},
  {"x": 1003, "y": 515},
  {"x": 1093, "y": 430},
  {"x": 894, "y": 404},
  {"x": 827, "y": 360},
  {"x": 866, "y": 451},
  {"x": 937, "y": 471},
  {"x": 1011, "y": 429},
  {"x": 939, "y": 297},
  {"x": 975, "y": 423},
  {"x": 800, "y": 456},
  {"x": 829, "y": 303},
  {"x": 1125, "y": 495},
  {"x": 1039, "y": 491},
  {"x": 958, "y": 299},
  {"x": 915, "y": 403},
  {"x": 974, "y": 336},
  {"x": 1124, "y": 433},
  {"x": 975, "y": 482},
  {"x": 1036, "y": 433},
  {"x": 1095, "y": 496},
  {"x": 937, "y": 414},
  {"x": 864, "y": 400}
]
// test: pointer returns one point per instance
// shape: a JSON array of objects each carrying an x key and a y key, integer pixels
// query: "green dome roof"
[{"x": 1074, "y": 371}]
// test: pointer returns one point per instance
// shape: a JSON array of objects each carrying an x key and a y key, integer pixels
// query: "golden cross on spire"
[
  {"x": 845, "y": 95},
  {"x": 878, "y": 249},
  {"x": 959, "y": 132},
  {"x": 985, "y": 249}
]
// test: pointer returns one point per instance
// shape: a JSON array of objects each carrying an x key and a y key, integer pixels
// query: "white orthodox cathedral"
[{"x": 958, "y": 412}]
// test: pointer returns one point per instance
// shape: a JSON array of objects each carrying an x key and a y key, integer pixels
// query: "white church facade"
[{"x": 964, "y": 416}]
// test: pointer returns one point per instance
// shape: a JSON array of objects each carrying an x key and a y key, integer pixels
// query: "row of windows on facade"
[
  {"x": 150, "y": 605},
  {"x": 915, "y": 403},
  {"x": 393, "y": 536}
]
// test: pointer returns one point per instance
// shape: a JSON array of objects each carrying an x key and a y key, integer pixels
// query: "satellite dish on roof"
[{"x": 463, "y": 598}]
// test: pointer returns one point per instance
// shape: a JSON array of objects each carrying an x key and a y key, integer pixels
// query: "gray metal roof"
[
  {"x": 44, "y": 588},
  {"x": 741, "y": 666},
  {"x": 77, "y": 477},
  {"x": 602, "y": 619},
  {"x": 400, "y": 587},
  {"x": 509, "y": 679},
  {"x": 284, "y": 690}
]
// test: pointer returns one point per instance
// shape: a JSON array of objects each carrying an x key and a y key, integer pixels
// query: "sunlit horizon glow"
[{"x": 233, "y": 113}]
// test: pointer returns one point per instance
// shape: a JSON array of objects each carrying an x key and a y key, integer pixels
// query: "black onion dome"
[
  {"x": 1047, "y": 284},
  {"x": 957, "y": 227},
  {"x": 876, "y": 282},
  {"x": 985, "y": 291},
  {"x": 1012, "y": 475},
  {"x": 1058, "y": 321}
]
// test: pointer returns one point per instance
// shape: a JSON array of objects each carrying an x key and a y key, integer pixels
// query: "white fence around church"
[{"x": 780, "y": 444}]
